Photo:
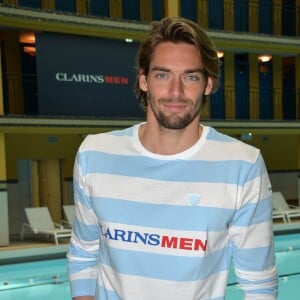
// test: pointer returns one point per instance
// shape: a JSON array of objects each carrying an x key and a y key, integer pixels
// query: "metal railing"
[{"x": 270, "y": 16}]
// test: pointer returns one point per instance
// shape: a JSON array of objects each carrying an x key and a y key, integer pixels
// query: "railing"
[{"x": 272, "y": 18}]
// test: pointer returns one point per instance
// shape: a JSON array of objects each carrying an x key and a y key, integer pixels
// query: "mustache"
[{"x": 174, "y": 100}]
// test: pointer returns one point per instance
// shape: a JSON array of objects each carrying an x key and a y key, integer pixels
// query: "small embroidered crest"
[{"x": 193, "y": 199}]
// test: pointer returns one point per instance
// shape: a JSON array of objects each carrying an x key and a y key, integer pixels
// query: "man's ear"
[
  {"x": 143, "y": 81},
  {"x": 209, "y": 86}
]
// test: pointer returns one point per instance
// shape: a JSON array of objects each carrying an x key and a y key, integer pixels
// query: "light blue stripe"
[
  {"x": 166, "y": 267},
  {"x": 254, "y": 259},
  {"x": 265, "y": 280},
  {"x": 254, "y": 213},
  {"x": 87, "y": 233},
  {"x": 214, "y": 135},
  {"x": 229, "y": 171},
  {"x": 174, "y": 217},
  {"x": 266, "y": 291},
  {"x": 75, "y": 251}
]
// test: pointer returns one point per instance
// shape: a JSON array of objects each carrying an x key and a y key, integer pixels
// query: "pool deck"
[
  {"x": 283, "y": 228},
  {"x": 20, "y": 251}
]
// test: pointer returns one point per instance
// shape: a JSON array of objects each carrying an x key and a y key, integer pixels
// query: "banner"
[{"x": 86, "y": 77}]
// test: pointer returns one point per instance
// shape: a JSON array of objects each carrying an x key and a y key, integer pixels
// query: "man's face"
[{"x": 175, "y": 85}]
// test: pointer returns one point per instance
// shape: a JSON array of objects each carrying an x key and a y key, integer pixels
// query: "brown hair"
[{"x": 177, "y": 30}]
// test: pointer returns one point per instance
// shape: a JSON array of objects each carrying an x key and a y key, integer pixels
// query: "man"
[{"x": 164, "y": 206}]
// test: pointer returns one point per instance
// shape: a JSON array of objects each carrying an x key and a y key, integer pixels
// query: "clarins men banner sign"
[{"x": 87, "y": 77}]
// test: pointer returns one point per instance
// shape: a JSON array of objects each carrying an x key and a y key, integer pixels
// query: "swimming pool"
[
  {"x": 48, "y": 279},
  {"x": 45, "y": 279}
]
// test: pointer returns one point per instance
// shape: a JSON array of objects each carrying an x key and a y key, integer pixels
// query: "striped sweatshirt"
[{"x": 162, "y": 227}]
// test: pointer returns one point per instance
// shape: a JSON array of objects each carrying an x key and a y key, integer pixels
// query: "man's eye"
[
  {"x": 161, "y": 75},
  {"x": 192, "y": 77}
]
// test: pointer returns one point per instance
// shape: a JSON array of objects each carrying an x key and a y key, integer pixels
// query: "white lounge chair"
[
  {"x": 40, "y": 222},
  {"x": 69, "y": 211},
  {"x": 278, "y": 215},
  {"x": 281, "y": 206}
]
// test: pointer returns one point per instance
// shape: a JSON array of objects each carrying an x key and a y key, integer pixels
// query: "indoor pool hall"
[{"x": 147, "y": 136}]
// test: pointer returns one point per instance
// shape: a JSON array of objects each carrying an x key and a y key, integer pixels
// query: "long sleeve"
[
  {"x": 83, "y": 251},
  {"x": 251, "y": 234}
]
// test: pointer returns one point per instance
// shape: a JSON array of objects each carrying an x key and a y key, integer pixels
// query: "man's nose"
[{"x": 176, "y": 88}]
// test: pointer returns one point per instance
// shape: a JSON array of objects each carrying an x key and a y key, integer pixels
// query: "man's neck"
[{"x": 163, "y": 141}]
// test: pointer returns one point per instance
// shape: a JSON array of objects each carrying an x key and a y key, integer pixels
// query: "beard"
[{"x": 174, "y": 120}]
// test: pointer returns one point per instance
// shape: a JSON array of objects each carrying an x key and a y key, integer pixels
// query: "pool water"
[
  {"x": 48, "y": 279},
  {"x": 39, "y": 292}
]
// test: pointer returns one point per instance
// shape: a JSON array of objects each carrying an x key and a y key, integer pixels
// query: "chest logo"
[{"x": 193, "y": 199}]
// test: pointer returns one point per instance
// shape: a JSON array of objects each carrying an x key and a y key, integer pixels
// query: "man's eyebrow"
[
  {"x": 160, "y": 69},
  {"x": 197, "y": 70},
  {"x": 188, "y": 71}
]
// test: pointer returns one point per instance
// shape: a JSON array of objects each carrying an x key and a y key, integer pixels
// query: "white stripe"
[
  {"x": 150, "y": 289},
  {"x": 86, "y": 273},
  {"x": 123, "y": 145},
  {"x": 90, "y": 247},
  {"x": 85, "y": 215},
  {"x": 257, "y": 276},
  {"x": 107, "y": 143},
  {"x": 250, "y": 192},
  {"x": 229, "y": 150},
  {"x": 260, "y": 231},
  {"x": 219, "y": 238},
  {"x": 210, "y": 150},
  {"x": 168, "y": 192},
  {"x": 259, "y": 297}
]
